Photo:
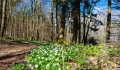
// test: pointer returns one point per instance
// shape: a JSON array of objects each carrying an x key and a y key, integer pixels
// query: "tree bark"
[
  {"x": 76, "y": 20},
  {"x": 3, "y": 24},
  {"x": 79, "y": 37},
  {"x": 1, "y": 2},
  {"x": 108, "y": 22},
  {"x": 84, "y": 25},
  {"x": 27, "y": 21},
  {"x": 62, "y": 28},
  {"x": 52, "y": 20},
  {"x": 57, "y": 24}
]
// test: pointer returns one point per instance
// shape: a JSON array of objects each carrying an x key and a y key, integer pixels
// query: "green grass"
[
  {"x": 27, "y": 41},
  {"x": 18, "y": 67},
  {"x": 6, "y": 38}
]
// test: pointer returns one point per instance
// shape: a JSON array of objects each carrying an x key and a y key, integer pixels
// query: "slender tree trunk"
[
  {"x": 62, "y": 28},
  {"x": 39, "y": 20},
  {"x": 32, "y": 28},
  {"x": 3, "y": 24},
  {"x": 108, "y": 22},
  {"x": 34, "y": 36},
  {"x": 12, "y": 27},
  {"x": 84, "y": 25},
  {"x": 91, "y": 10},
  {"x": 76, "y": 20},
  {"x": 79, "y": 37},
  {"x": 52, "y": 19},
  {"x": 15, "y": 22},
  {"x": 70, "y": 26},
  {"x": 57, "y": 24},
  {"x": 27, "y": 21},
  {"x": 10, "y": 18},
  {"x": 1, "y": 2},
  {"x": 23, "y": 27}
]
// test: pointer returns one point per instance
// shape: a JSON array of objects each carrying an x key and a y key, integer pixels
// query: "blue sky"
[{"x": 102, "y": 6}]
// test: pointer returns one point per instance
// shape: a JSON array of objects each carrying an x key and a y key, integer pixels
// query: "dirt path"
[{"x": 12, "y": 53}]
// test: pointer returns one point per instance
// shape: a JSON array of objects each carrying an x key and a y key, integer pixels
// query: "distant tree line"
[{"x": 65, "y": 19}]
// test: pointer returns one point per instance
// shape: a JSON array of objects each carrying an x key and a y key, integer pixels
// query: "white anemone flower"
[
  {"x": 55, "y": 53},
  {"x": 35, "y": 59},
  {"x": 49, "y": 58},
  {"x": 59, "y": 68},
  {"x": 36, "y": 66},
  {"x": 50, "y": 55},
  {"x": 46, "y": 59},
  {"x": 42, "y": 57},
  {"x": 30, "y": 65},
  {"x": 32, "y": 68},
  {"x": 67, "y": 67},
  {"x": 57, "y": 63},
  {"x": 40, "y": 62},
  {"x": 56, "y": 59},
  {"x": 54, "y": 64},
  {"x": 59, "y": 54},
  {"x": 47, "y": 66}
]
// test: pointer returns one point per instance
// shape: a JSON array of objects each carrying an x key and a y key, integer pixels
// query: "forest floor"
[{"x": 12, "y": 53}]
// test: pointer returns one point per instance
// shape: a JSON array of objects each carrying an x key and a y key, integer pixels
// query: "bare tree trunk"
[
  {"x": 1, "y": 2},
  {"x": 39, "y": 20},
  {"x": 23, "y": 27},
  {"x": 79, "y": 37},
  {"x": 3, "y": 24},
  {"x": 35, "y": 21},
  {"x": 62, "y": 28},
  {"x": 84, "y": 25},
  {"x": 57, "y": 24},
  {"x": 70, "y": 24},
  {"x": 32, "y": 28},
  {"x": 52, "y": 20},
  {"x": 108, "y": 22},
  {"x": 76, "y": 20},
  {"x": 27, "y": 21}
]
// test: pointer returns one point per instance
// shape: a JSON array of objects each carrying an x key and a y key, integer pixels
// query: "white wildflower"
[
  {"x": 36, "y": 66},
  {"x": 59, "y": 54},
  {"x": 50, "y": 55},
  {"x": 32, "y": 68},
  {"x": 40, "y": 62},
  {"x": 54, "y": 64},
  {"x": 67, "y": 67},
  {"x": 69, "y": 57},
  {"x": 46, "y": 59},
  {"x": 42, "y": 57},
  {"x": 57, "y": 63},
  {"x": 30, "y": 65},
  {"x": 49, "y": 58},
  {"x": 47, "y": 66},
  {"x": 59, "y": 68},
  {"x": 35, "y": 59},
  {"x": 56, "y": 59},
  {"x": 55, "y": 53}
]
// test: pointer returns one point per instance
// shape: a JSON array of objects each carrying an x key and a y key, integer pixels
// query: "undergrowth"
[{"x": 49, "y": 57}]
